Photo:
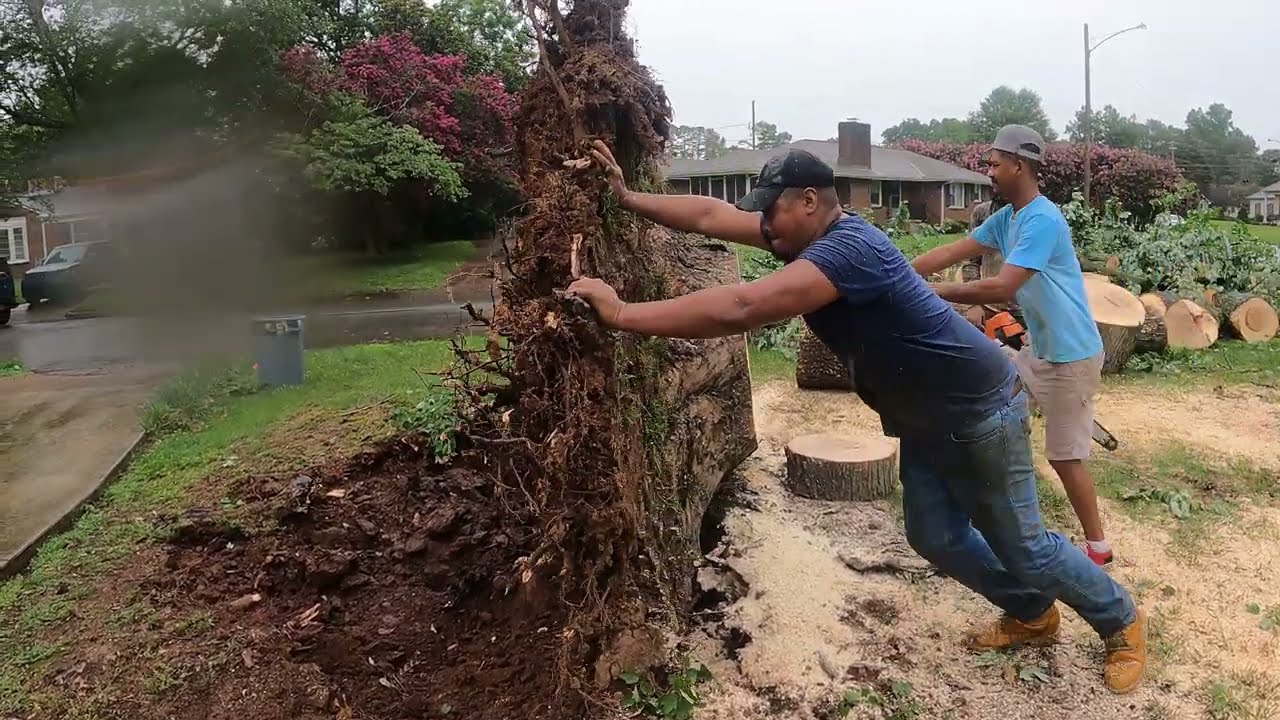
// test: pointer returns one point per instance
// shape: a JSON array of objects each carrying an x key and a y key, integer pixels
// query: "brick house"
[{"x": 867, "y": 176}]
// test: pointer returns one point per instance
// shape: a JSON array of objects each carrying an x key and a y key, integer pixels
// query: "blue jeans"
[{"x": 971, "y": 509}]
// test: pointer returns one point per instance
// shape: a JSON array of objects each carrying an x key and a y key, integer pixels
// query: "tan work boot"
[
  {"x": 1009, "y": 632},
  {"x": 1126, "y": 661}
]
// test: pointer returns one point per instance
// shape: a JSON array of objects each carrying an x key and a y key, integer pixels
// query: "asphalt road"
[{"x": 53, "y": 345}]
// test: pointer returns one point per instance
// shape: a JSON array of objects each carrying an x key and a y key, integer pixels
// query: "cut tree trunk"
[
  {"x": 830, "y": 466},
  {"x": 1154, "y": 303},
  {"x": 1097, "y": 277},
  {"x": 1248, "y": 317},
  {"x": 817, "y": 368},
  {"x": 1118, "y": 315},
  {"x": 1152, "y": 336},
  {"x": 1189, "y": 326}
]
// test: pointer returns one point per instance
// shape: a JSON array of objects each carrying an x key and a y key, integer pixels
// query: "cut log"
[
  {"x": 1248, "y": 317},
  {"x": 829, "y": 466},
  {"x": 1154, "y": 303},
  {"x": 817, "y": 368},
  {"x": 1097, "y": 277},
  {"x": 1118, "y": 315},
  {"x": 1152, "y": 336},
  {"x": 1189, "y": 326}
]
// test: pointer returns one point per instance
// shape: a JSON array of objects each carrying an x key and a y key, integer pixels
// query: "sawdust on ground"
[{"x": 818, "y": 628}]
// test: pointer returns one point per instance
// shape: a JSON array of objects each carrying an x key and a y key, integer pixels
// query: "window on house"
[
  {"x": 955, "y": 195},
  {"x": 13, "y": 242},
  {"x": 975, "y": 193},
  {"x": 717, "y": 187},
  {"x": 877, "y": 193}
]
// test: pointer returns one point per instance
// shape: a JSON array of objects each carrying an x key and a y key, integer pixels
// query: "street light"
[{"x": 1088, "y": 101}]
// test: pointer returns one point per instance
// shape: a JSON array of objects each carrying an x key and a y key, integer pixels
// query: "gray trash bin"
[{"x": 278, "y": 349}]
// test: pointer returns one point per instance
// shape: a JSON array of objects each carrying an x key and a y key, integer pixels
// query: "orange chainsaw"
[{"x": 1007, "y": 329}]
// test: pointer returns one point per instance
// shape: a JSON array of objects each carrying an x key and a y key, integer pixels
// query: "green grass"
[
  {"x": 1228, "y": 362},
  {"x": 769, "y": 365},
  {"x": 915, "y": 245},
  {"x": 330, "y": 274},
  {"x": 1265, "y": 233},
  {"x": 160, "y": 478},
  {"x": 9, "y": 368},
  {"x": 1179, "y": 489}
]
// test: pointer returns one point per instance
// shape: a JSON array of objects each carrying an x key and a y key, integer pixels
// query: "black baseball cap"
[{"x": 792, "y": 169}]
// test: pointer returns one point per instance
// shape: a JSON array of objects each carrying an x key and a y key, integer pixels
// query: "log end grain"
[
  {"x": 1189, "y": 326},
  {"x": 843, "y": 466}
]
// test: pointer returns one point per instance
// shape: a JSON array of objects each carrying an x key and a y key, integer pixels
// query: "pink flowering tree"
[{"x": 466, "y": 119}]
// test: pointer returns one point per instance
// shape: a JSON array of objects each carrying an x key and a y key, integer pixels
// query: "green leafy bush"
[
  {"x": 677, "y": 702},
  {"x": 1182, "y": 254},
  {"x": 435, "y": 417}
]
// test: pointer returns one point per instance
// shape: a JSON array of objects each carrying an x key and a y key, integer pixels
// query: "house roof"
[
  {"x": 70, "y": 203},
  {"x": 886, "y": 164}
]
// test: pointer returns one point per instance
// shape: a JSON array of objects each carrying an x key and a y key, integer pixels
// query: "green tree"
[
  {"x": 1110, "y": 128},
  {"x": 1214, "y": 151},
  {"x": 487, "y": 32},
  {"x": 767, "y": 137},
  {"x": 694, "y": 142},
  {"x": 953, "y": 130},
  {"x": 1006, "y": 106}
]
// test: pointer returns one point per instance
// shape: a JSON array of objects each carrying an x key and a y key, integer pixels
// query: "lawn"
[
  {"x": 332, "y": 274},
  {"x": 1265, "y": 233}
]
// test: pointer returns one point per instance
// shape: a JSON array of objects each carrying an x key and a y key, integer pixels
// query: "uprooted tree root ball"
[{"x": 554, "y": 550}]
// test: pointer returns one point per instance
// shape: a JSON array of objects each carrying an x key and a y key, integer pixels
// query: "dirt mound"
[{"x": 387, "y": 588}]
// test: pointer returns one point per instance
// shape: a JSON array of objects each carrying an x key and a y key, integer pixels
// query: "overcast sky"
[{"x": 810, "y": 63}]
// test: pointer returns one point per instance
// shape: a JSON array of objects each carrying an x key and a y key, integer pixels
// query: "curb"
[{"x": 18, "y": 562}]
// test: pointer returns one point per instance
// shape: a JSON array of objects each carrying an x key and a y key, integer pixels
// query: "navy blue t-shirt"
[{"x": 918, "y": 363}]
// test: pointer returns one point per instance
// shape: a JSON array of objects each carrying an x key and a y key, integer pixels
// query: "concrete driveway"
[{"x": 59, "y": 436}]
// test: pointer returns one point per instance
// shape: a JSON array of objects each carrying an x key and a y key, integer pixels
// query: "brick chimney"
[{"x": 855, "y": 144}]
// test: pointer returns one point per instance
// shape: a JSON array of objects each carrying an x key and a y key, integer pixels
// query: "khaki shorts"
[{"x": 1064, "y": 394}]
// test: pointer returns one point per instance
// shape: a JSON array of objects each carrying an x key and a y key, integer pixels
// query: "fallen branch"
[{"x": 906, "y": 566}]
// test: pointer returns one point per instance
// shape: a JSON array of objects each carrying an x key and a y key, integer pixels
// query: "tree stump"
[
  {"x": 1248, "y": 317},
  {"x": 1118, "y": 315},
  {"x": 830, "y": 466},
  {"x": 1189, "y": 326},
  {"x": 817, "y": 368}
]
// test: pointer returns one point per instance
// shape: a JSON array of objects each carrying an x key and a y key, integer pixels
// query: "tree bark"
[
  {"x": 1152, "y": 336},
  {"x": 1153, "y": 303},
  {"x": 1118, "y": 315},
  {"x": 842, "y": 467},
  {"x": 817, "y": 368}
]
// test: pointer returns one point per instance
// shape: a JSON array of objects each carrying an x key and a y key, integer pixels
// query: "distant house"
[
  {"x": 1265, "y": 204},
  {"x": 867, "y": 176},
  {"x": 50, "y": 215}
]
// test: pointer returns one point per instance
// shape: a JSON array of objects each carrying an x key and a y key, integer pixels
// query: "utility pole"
[
  {"x": 753, "y": 124},
  {"x": 1088, "y": 119},
  {"x": 1088, "y": 102}
]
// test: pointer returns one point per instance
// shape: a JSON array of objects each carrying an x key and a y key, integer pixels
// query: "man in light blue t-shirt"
[{"x": 1062, "y": 365}]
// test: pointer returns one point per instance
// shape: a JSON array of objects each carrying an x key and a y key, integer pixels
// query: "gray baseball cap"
[{"x": 1020, "y": 140}]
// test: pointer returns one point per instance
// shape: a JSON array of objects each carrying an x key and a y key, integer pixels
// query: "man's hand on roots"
[
  {"x": 602, "y": 298},
  {"x": 610, "y": 169}
]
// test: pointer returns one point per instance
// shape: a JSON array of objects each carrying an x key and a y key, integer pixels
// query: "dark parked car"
[
  {"x": 69, "y": 272},
  {"x": 8, "y": 295}
]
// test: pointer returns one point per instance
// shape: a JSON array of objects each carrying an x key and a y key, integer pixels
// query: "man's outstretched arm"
[
  {"x": 689, "y": 213},
  {"x": 944, "y": 256},
  {"x": 999, "y": 289},
  {"x": 798, "y": 288}
]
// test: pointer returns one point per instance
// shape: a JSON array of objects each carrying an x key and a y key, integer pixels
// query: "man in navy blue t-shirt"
[{"x": 945, "y": 390}]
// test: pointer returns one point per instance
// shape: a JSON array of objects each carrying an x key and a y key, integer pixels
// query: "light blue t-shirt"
[{"x": 1053, "y": 301}]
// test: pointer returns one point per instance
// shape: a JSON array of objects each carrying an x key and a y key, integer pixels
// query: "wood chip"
[
  {"x": 336, "y": 493},
  {"x": 245, "y": 602},
  {"x": 247, "y": 657}
]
